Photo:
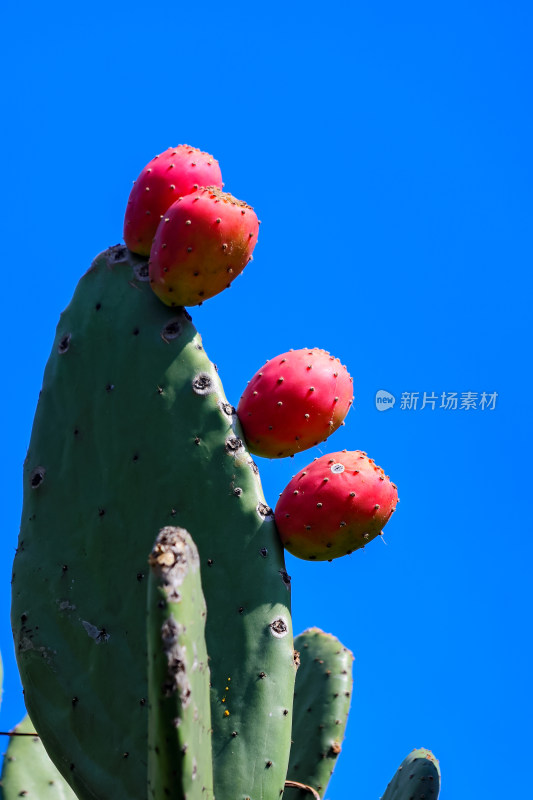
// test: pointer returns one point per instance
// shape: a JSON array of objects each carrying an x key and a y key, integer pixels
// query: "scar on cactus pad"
[
  {"x": 294, "y": 401},
  {"x": 203, "y": 241},
  {"x": 336, "y": 505},
  {"x": 176, "y": 172}
]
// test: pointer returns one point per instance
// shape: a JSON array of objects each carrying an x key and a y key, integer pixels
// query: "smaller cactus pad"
[
  {"x": 321, "y": 703},
  {"x": 28, "y": 771},
  {"x": 179, "y": 717},
  {"x": 417, "y": 778}
]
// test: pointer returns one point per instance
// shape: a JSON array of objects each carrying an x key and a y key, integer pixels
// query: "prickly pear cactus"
[
  {"x": 417, "y": 778},
  {"x": 322, "y": 698},
  {"x": 179, "y": 717},
  {"x": 27, "y": 770},
  {"x": 166, "y": 671},
  {"x": 133, "y": 433}
]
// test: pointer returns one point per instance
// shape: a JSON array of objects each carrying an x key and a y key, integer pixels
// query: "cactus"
[
  {"x": 179, "y": 717},
  {"x": 132, "y": 433},
  {"x": 322, "y": 696},
  {"x": 417, "y": 778},
  {"x": 169, "y": 675},
  {"x": 27, "y": 769}
]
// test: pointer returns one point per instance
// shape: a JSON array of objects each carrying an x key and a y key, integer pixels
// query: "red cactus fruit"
[
  {"x": 295, "y": 401},
  {"x": 334, "y": 506},
  {"x": 202, "y": 243},
  {"x": 176, "y": 172}
]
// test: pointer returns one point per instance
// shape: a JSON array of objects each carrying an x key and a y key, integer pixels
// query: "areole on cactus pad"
[
  {"x": 294, "y": 401},
  {"x": 335, "y": 505}
]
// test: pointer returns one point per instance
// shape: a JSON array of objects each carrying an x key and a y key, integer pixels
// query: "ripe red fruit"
[
  {"x": 293, "y": 402},
  {"x": 176, "y": 172},
  {"x": 202, "y": 243},
  {"x": 334, "y": 506}
]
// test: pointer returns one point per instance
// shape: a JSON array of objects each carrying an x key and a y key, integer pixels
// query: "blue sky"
[{"x": 387, "y": 151}]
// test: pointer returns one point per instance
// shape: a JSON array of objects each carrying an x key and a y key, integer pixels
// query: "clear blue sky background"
[{"x": 387, "y": 149}]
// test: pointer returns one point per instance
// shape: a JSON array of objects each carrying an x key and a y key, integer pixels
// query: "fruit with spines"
[
  {"x": 179, "y": 716},
  {"x": 417, "y": 778},
  {"x": 176, "y": 172},
  {"x": 335, "y": 505},
  {"x": 202, "y": 243},
  {"x": 296, "y": 400},
  {"x": 322, "y": 696}
]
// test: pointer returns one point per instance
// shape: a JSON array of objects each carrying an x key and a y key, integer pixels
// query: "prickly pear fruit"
[
  {"x": 294, "y": 401},
  {"x": 203, "y": 242},
  {"x": 334, "y": 506},
  {"x": 178, "y": 171}
]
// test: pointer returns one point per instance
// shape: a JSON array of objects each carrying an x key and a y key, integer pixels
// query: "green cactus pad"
[
  {"x": 132, "y": 433},
  {"x": 322, "y": 698},
  {"x": 417, "y": 778},
  {"x": 179, "y": 715},
  {"x": 28, "y": 771}
]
